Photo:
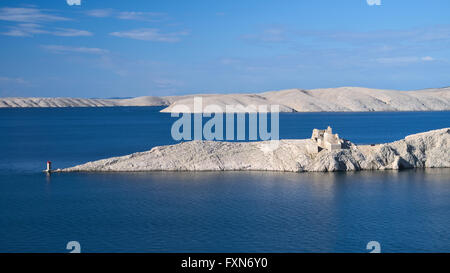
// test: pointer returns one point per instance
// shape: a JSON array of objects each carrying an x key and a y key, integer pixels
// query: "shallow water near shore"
[{"x": 209, "y": 211}]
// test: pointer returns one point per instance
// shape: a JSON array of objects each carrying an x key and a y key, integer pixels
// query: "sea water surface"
[{"x": 209, "y": 211}]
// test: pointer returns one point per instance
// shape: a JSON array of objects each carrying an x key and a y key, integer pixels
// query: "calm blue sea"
[{"x": 209, "y": 211}]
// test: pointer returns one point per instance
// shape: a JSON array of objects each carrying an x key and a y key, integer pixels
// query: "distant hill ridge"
[{"x": 342, "y": 99}]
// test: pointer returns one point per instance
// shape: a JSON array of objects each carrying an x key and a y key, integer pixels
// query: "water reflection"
[{"x": 227, "y": 211}]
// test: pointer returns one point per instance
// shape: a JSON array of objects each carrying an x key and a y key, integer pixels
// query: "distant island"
[
  {"x": 342, "y": 99},
  {"x": 323, "y": 152}
]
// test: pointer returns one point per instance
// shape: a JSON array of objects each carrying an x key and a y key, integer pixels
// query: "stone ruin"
[{"x": 325, "y": 139}]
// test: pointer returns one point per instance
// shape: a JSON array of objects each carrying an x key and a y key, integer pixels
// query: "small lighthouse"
[{"x": 49, "y": 166}]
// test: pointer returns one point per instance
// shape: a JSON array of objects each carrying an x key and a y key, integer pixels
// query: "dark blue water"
[{"x": 209, "y": 211}]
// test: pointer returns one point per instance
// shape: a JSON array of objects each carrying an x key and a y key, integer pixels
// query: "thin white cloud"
[
  {"x": 127, "y": 15},
  {"x": 69, "y": 49},
  {"x": 28, "y": 15},
  {"x": 229, "y": 61},
  {"x": 12, "y": 80},
  {"x": 100, "y": 13},
  {"x": 25, "y": 30},
  {"x": 70, "y": 32},
  {"x": 30, "y": 20},
  {"x": 167, "y": 83},
  {"x": 438, "y": 34},
  {"x": 31, "y": 29},
  {"x": 427, "y": 59},
  {"x": 141, "y": 16},
  {"x": 150, "y": 34},
  {"x": 374, "y": 2},
  {"x": 404, "y": 60},
  {"x": 397, "y": 60},
  {"x": 268, "y": 35},
  {"x": 73, "y": 2}
]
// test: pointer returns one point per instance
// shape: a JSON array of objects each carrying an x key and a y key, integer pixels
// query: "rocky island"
[
  {"x": 342, "y": 99},
  {"x": 323, "y": 152}
]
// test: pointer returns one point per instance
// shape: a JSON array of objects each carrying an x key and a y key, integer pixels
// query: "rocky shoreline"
[{"x": 424, "y": 150}]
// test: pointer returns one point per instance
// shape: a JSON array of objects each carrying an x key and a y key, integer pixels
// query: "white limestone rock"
[
  {"x": 430, "y": 149},
  {"x": 342, "y": 99}
]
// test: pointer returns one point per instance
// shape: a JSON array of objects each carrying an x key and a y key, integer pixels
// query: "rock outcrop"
[{"x": 424, "y": 150}]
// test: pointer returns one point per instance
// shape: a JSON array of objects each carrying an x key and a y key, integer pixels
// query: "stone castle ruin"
[{"x": 325, "y": 139}]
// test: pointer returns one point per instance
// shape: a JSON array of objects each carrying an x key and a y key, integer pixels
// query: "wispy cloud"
[
  {"x": 269, "y": 35},
  {"x": 70, "y": 32},
  {"x": 141, "y": 16},
  {"x": 31, "y": 22},
  {"x": 100, "y": 13},
  {"x": 358, "y": 48},
  {"x": 167, "y": 83},
  {"x": 128, "y": 15},
  {"x": 73, "y": 2},
  {"x": 69, "y": 49},
  {"x": 24, "y": 30},
  {"x": 29, "y": 15},
  {"x": 150, "y": 34},
  {"x": 31, "y": 29},
  {"x": 404, "y": 60},
  {"x": 12, "y": 80},
  {"x": 386, "y": 38},
  {"x": 229, "y": 61},
  {"x": 422, "y": 34},
  {"x": 92, "y": 57}
]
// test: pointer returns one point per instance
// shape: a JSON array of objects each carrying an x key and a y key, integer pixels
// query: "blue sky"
[{"x": 119, "y": 48}]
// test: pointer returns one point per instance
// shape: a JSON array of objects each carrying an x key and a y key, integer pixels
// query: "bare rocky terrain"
[
  {"x": 78, "y": 102},
  {"x": 424, "y": 150},
  {"x": 343, "y": 99}
]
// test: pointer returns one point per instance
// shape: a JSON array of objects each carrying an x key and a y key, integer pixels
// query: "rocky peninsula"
[
  {"x": 342, "y": 99},
  {"x": 424, "y": 150}
]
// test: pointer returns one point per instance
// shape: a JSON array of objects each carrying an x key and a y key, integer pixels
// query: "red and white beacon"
[{"x": 49, "y": 167}]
